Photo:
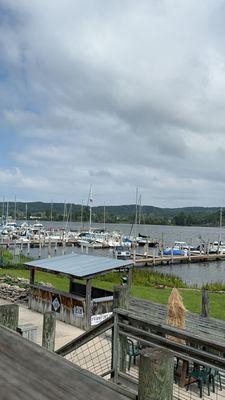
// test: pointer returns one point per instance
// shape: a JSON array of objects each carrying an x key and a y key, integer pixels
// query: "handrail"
[{"x": 86, "y": 337}]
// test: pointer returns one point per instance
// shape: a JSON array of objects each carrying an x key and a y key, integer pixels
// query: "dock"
[{"x": 151, "y": 260}]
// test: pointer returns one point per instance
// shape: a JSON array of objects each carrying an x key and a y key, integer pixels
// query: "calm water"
[{"x": 197, "y": 273}]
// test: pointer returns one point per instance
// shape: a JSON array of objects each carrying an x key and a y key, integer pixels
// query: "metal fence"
[{"x": 112, "y": 350}]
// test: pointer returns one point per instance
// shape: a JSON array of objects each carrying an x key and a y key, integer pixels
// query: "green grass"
[
  {"x": 59, "y": 282},
  {"x": 191, "y": 297}
]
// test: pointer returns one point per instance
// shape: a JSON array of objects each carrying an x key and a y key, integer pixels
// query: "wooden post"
[
  {"x": 129, "y": 280},
  {"x": 48, "y": 334},
  {"x": 155, "y": 375},
  {"x": 121, "y": 300},
  {"x": 32, "y": 275},
  {"x": 205, "y": 303},
  {"x": 9, "y": 316},
  {"x": 88, "y": 304},
  {"x": 71, "y": 285}
]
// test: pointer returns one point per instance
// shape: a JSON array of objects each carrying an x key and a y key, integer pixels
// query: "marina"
[{"x": 49, "y": 239}]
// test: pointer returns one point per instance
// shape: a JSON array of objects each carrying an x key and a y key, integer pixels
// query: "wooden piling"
[
  {"x": 155, "y": 375},
  {"x": 121, "y": 300},
  {"x": 205, "y": 303},
  {"x": 9, "y": 316},
  {"x": 48, "y": 334}
]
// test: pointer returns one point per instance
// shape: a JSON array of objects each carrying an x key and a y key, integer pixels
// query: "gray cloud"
[{"x": 116, "y": 95}]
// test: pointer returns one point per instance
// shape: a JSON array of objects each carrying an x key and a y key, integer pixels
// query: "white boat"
[{"x": 122, "y": 252}]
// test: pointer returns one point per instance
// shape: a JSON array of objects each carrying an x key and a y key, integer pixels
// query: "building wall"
[{"x": 68, "y": 307}]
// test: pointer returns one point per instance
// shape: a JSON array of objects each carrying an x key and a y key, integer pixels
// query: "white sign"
[
  {"x": 96, "y": 319},
  {"x": 78, "y": 311}
]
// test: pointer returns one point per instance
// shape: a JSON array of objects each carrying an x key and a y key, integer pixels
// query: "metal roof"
[{"x": 79, "y": 265}]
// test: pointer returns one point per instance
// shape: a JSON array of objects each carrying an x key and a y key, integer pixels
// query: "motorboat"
[{"x": 122, "y": 252}]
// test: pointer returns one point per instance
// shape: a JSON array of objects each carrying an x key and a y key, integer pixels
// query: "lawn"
[{"x": 191, "y": 297}]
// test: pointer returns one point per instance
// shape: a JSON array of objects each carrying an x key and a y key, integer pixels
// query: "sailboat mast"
[
  {"x": 3, "y": 208},
  {"x": 90, "y": 206},
  {"x": 81, "y": 214},
  {"x": 15, "y": 209},
  {"x": 136, "y": 214},
  {"x": 51, "y": 210},
  {"x": 221, "y": 220},
  {"x": 104, "y": 217}
]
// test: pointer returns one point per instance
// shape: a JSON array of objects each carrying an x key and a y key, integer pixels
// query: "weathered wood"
[
  {"x": 155, "y": 375},
  {"x": 48, "y": 334},
  {"x": 210, "y": 328},
  {"x": 129, "y": 281},
  {"x": 86, "y": 337},
  {"x": 205, "y": 303},
  {"x": 9, "y": 316},
  {"x": 181, "y": 350},
  {"x": 30, "y": 372},
  {"x": 88, "y": 303},
  {"x": 121, "y": 299},
  {"x": 32, "y": 276}
]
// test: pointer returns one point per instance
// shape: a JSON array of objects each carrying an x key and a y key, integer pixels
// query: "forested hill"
[{"x": 208, "y": 216}]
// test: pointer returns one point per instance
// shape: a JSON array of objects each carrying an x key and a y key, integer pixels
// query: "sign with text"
[{"x": 96, "y": 319}]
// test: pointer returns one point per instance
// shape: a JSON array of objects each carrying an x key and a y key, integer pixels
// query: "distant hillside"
[{"x": 208, "y": 216}]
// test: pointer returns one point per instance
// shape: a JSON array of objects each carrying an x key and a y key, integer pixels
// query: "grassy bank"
[{"x": 191, "y": 297}]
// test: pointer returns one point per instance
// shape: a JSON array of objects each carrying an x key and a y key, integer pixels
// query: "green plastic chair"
[
  {"x": 133, "y": 351},
  {"x": 200, "y": 376}
]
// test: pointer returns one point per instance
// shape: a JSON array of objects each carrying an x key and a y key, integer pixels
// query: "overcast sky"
[{"x": 114, "y": 94}]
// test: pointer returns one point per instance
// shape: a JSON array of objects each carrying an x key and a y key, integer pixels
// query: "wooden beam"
[
  {"x": 32, "y": 276},
  {"x": 88, "y": 303}
]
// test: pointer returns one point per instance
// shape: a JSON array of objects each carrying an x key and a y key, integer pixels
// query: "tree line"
[{"x": 186, "y": 216}]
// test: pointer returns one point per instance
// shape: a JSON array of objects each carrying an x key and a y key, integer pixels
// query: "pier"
[{"x": 149, "y": 260}]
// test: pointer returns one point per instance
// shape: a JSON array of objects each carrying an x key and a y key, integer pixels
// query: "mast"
[
  {"x": 3, "y": 208},
  {"x": 136, "y": 215},
  {"x": 104, "y": 217},
  {"x": 90, "y": 206},
  {"x": 221, "y": 220},
  {"x": 51, "y": 210},
  {"x": 7, "y": 211},
  {"x": 15, "y": 209},
  {"x": 81, "y": 214},
  {"x": 26, "y": 211}
]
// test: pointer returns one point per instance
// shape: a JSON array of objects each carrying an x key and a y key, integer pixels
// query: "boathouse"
[{"x": 83, "y": 305}]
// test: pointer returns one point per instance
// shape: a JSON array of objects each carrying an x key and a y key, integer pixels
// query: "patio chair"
[
  {"x": 133, "y": 351},
  {"x": 201, "y": 377}
]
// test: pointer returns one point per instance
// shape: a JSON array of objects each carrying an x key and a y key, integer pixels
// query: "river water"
[{"x": 195, "y": 274}]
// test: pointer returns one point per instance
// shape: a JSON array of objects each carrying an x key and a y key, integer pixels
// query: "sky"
[{"x": 115, "y": 94}]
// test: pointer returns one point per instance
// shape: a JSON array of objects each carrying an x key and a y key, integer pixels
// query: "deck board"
[
  {"x": 208, "y": 328},
  {"x": 30, "y": 372}
]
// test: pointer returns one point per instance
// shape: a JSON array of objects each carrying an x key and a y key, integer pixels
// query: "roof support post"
[
  {"x": 88, "y": 303},
  {"x": 71, "y": 285},
  {"x": 32, "y": 275}
]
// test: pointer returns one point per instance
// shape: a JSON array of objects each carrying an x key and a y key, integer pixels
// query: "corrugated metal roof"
[{"x": 79, "y": 265}]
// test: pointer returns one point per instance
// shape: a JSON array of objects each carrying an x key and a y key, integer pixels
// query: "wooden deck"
[
  {"x": 210, "y": 329},
  {"x": 28, "y": 372}
]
